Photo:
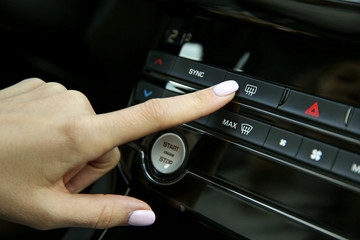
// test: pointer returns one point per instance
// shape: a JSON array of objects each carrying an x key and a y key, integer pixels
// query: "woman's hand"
[{"x": 53, "y": 145}]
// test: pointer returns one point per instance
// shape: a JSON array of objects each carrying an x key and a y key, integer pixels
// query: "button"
[
  {"x": 198, "y": 73},
  {"x": 315, "y": 108},
  {"x": 168, "y": 153},
  {"x": 354, "y": 124},
  {"x": 316, "y": 153},
  {"x": 159, "y": 61},
  {"x": 239, "y": 126},
  {"x": 145, "y": 91},
  {"x": 283, "y": 142},
  {"x": 347, "y": 164},
  {"x": 257, "y": 91}
]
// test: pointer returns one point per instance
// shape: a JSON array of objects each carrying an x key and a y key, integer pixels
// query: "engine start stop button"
[{"x": 168, "y": 153}]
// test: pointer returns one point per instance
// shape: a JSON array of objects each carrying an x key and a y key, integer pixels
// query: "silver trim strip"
[{"x": 178, "y": 87}]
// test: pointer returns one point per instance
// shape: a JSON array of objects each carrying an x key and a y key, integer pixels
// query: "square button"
[
  {"x": 316, "y": 153},
  {"x": 347, "y": 164},
  {"x": 316, "y": 109},
  {"x": 256, "y": 90},
  {"x": 283, "y": 142},
  {"x": 145, "y": 91},
  {"x": 354, "y": 124},
  {"x": 239, "y": 126},
  {"x": 197, "y": 72},
  {"x": 160, "y": 62}
]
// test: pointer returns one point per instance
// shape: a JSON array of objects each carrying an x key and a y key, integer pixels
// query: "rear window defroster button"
[
  {"x": 256, "y": 90},
  {"x": 168, "y": 153}
]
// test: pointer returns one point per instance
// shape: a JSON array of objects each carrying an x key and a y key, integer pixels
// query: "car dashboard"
[{"x": 281, "y": 161}]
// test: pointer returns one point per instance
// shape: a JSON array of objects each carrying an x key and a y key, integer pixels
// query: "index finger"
[{"x": 125, "y": 125}]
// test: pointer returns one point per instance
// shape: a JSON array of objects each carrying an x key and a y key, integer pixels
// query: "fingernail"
[
  {"x": 141, "y": 218},
  {"x": 225, "y": 88}
]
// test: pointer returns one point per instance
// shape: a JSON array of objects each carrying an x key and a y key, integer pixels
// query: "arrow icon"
[
  {"x": 159, "y": 62},
  {"x": 147, "y": 93}
]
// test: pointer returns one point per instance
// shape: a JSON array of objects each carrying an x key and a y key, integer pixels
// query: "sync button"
[{"x": 197, "y": 72}]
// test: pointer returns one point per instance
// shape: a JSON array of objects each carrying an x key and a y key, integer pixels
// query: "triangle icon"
[{"x": 313, "y": 110}]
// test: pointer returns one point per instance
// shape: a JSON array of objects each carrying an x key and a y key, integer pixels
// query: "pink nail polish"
[
  {"x": 141, "y": 218},
  {"x": 225, "y": 88}
]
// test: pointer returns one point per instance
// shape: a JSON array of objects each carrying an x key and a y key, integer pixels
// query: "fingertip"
[
  {"x": 141, "y": 218},
  {"x": 99, "y": 211},
  {"x": 226, "y": 88}
]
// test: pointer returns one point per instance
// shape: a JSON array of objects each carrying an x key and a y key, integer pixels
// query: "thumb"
[{"x": 100, "y": 211}]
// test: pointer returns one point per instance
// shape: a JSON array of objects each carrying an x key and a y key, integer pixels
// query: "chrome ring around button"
[{"x": 168, "y": 153}]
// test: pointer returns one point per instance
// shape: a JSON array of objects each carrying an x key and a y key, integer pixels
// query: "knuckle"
[
  {"x": 200, "y": 99},
  {"x": 32, "y": 82},
  {"x": 105, "y": 218},
  {"x": 77, "y": 97},
  {"x": 72, "y": 131},
  {"x": 107, "y": 161},
  {"x": 76, "y": 127},
  {"x": 154, "y": 110},
  {"x": 56, "y": 87},
  {"x": 114, "y": 157}
]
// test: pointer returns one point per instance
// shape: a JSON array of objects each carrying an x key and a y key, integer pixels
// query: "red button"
[
  {"x": 160, "y": 62},
  {"x": 316, "y": 109}
]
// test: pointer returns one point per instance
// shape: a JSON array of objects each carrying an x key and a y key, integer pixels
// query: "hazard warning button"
[{"x": 315, "y": 108}]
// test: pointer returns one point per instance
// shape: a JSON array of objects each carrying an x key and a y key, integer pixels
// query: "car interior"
[{"x": 281, "y": 161}]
